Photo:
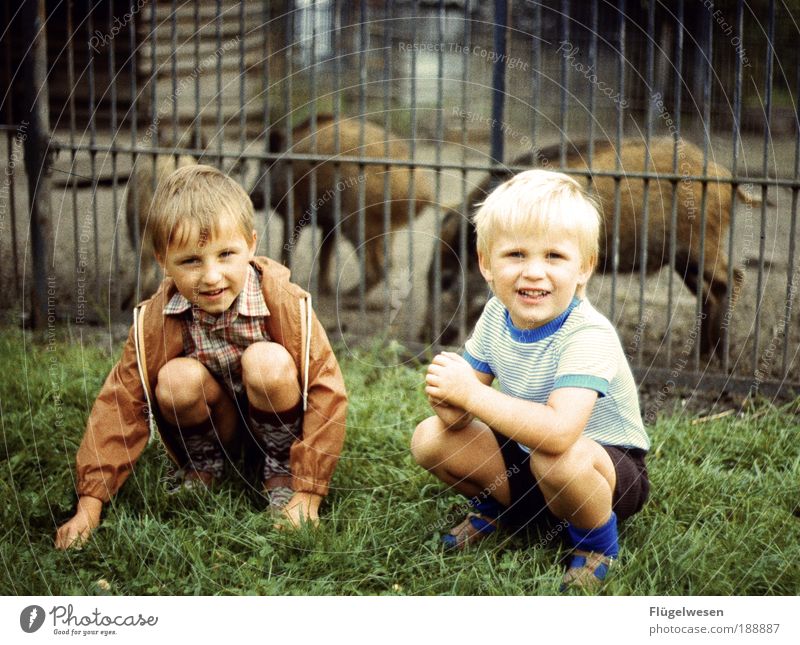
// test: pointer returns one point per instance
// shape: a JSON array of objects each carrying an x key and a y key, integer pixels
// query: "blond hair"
[
  {"x": 193, "y": 200},
  {"x": 542, "y": 199}
]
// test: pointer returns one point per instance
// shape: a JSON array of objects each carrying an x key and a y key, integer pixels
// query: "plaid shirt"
[{"x": 218, "y": 342}]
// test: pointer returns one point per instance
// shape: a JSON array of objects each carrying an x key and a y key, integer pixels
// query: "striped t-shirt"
[{"x": 580, "y": 348}]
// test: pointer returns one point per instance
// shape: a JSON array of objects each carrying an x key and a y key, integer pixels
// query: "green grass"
[{"x": 723, "y": 516}]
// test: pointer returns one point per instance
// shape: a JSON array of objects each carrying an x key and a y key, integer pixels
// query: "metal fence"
[{"x": 366, "y": 133}]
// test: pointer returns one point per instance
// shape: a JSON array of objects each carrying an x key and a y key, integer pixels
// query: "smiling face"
[
  {"x": 535, "y": 272},
  {"x": 210, "y": 268}
]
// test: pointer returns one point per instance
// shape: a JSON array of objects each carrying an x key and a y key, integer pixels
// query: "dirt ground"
[{"x": 759, "y": 353}]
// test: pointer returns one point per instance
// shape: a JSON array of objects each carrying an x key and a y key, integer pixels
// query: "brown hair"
[{"x": 194, "y": 199}]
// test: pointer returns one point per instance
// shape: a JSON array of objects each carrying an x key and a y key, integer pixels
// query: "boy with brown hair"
[
  {"x": 562, "y": 438},
  {"x": 226, "y": 346}
]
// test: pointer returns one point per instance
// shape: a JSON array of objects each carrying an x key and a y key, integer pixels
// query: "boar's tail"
[
  {"x": 751, "y": 197},
  {"x": 747, "y": 196}
]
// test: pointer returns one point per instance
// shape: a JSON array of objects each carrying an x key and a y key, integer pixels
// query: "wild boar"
[
  {"x": 712, "y": 272},
  {"x": 351, "y": 180}
]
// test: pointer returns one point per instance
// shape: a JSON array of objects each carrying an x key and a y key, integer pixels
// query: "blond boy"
[
  {"x": 227, "y": 350},
  {"x": 562, "y": 438}
]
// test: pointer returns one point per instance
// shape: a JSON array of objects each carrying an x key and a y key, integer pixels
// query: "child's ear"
[
  {"x": 485, "y": 266},
  {"x": 160, "y": 260},
  {"x": 586, "y": 272},
  {"x": 253, "y": 244}
]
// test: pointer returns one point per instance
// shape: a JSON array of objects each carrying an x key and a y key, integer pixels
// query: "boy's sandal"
[
  {"x": 587, "y": 570},
  {"x": 278, "y": 493},
  {"x": 196, "y": 480},
  {"x": 471, "y": 531},
  {"x": 278, "y": 498}
]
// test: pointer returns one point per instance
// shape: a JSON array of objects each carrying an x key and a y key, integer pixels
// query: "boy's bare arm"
[
  {"x": 454, "y": 417},
  {"x": 551, "y": 428},
  {"x": 77, "y": 530}
]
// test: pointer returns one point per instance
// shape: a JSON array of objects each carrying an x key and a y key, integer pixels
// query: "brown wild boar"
[
  {"x": 712, "y": 273},
  {"x": 352, "y": 179}
]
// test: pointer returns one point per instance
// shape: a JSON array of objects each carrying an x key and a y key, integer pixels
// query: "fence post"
[
  {"x": 36, "y": 154},
  {"x": 499, "y": 85}
]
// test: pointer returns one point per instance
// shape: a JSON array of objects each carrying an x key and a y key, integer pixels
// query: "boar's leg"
[
  {"x": 326, "y": 248},
  {"x": 714, "y": 296}
]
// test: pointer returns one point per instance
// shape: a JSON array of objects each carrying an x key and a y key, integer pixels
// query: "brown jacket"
[{"x": 118, "y": 428}]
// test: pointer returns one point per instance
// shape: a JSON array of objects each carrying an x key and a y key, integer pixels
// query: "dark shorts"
[{"x": 527, "y": 502}]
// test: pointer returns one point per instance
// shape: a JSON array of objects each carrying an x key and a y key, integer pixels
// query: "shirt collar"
[
  {"x": 538, "y": 333},
  {"x": 250, "y": 302}
]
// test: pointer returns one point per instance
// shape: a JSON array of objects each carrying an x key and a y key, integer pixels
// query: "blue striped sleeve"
[
  {"x": 476, "y": 364},
  {"x": 600, "y": 385}
]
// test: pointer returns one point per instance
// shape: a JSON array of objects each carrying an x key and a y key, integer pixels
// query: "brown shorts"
[{"x": 527, "y": 502}]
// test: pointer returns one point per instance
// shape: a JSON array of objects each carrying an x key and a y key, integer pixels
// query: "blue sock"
[
  {"x": 486, "y": 506},
  {"x": 603, "y": 539}
]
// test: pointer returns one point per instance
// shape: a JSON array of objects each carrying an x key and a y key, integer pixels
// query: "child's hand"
[
  {"x": 77, "y": 530},
  {"x": 454, "y": 418},
  {"x": 302, "y": 508},
  {"x": 450, "y": 379}
]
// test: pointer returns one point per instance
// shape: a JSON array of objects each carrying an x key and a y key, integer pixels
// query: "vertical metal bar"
[
  {"x": 412, "y": 186},
  {"x": 155, "y": 116},
  {"x": 243, "y": 106},
  {"x": 174, "y": 74},
  {"x": 313, "y": 174},
  {"x": 673, "y": 226},
  {"x": 536, "y": 76},
  {"x": 269, "y": 164},
  {"x": 464, "y": 222},
  {"x": 617, "y": 178},
  {"x": 72, "y": 153},
  {"x": 12, "y": 198},
  {"x": 289, "y": 222},
  {"x": 437, "y": 228},
  {"x": 498, "y": 84},
  {"x": 592, "y": 65},
  {"x": 362, "y": 112},
  {"x": 134, "y": 227},
  {"x": 650, "y": 73},
  {"x": 220, "y": 125},
  {"x": 114, "y": 297},
  {"x": 10, "y": 164},
  {"x": 765, "y": 173},
  {"x": 737, "y": 120},
  {"x": 338, "y": 44},
  {"x": 698, "y": 321},
  {"x": 791, "y": 276},
  {"x": 387, "y": 196},
  {"x": 36, "y": 152},
  {"x": 563, "y": 112},
  {"x": 198, "y": 118},
  {"x": 93, "y": 159}
]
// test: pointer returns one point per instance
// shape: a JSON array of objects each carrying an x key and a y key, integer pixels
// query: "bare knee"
[
  {"x": 270, "y": 376},
  {"x": 180, "y": 385},
  {"x": 426, "y": 442},
  {"x": 558, "y": 471}
]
